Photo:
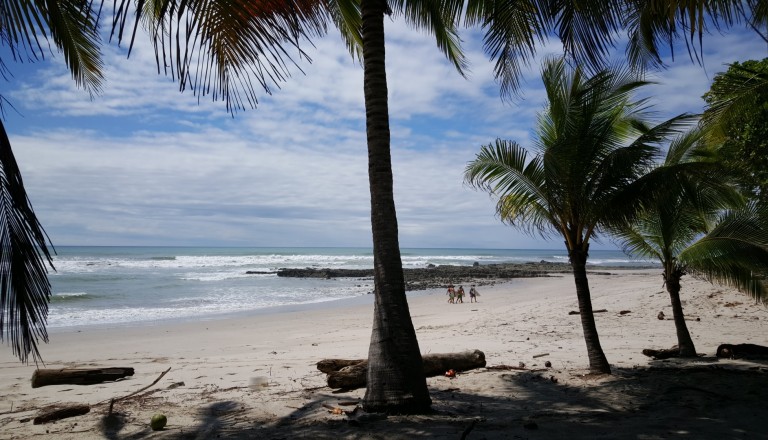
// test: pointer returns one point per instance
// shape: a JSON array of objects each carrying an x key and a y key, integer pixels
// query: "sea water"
[{"x": 124, "y": 285}]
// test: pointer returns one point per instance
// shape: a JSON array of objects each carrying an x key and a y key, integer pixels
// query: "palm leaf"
[
  {"x": 503, "y": 169},
  {"x": 652, "y": 24},
  {"x": 512, "y": 30},
  {"x": 24, "y": 287},
  {"x": 439, "y": 18},
  {"x": 74, "y": 29},
  {"x": 72, "y": 24},
  {"x": 230, "y": 49},
  {"x": 346, "y": 15},
  {"x": 734, "y": 253}
]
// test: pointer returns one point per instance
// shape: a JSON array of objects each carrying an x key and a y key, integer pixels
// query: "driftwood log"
[
  {"x": 664, "y": 353},
  {"x": 78, "y": 376},
  {"x": 59, "y": 413},
  {"x": 351, "y": 373},
  {"x": 742, "y": 351}
]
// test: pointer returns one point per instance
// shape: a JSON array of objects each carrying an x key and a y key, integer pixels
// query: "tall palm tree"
[
  {"x": 592, "y": 146},
  {"x": 688, "y": 231},
  {"x": 25, "y": 28}
]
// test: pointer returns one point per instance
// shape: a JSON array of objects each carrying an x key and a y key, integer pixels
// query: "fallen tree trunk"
[
  {"x": 664, "y": 353},
  {"x": 351, "y": 374},
  {"x": 329, "y": 366},
  {"x": 61, "y": 413},
  {"x": 78, "y": 376}
]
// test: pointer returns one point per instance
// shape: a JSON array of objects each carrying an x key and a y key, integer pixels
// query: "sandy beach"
[{"x": 255, "y": 376}]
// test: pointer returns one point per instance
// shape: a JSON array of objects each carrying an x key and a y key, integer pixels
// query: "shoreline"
[
  {"x": 418, "y": 282},
  {"x": 208, "y": 392}
]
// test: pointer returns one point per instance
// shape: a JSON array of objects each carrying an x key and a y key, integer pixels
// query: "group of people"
[{"x": 457, "y": 296}]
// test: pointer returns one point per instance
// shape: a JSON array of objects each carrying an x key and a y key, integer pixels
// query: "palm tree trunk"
[
  {"x": 684, "y": 341},
  {"x": 396, "y": 383},
  {"x": 597, "y": 360}
]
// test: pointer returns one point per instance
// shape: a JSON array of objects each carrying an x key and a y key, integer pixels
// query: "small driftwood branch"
[
  {"x": 510, "y": 367},
  {"x": 576, "y": 312},
  {"x": 78, "y": 376},
  {"x": 352, "y": 373},
  {"x": 112, "y": 401},
  {"x": 59, "y": 413}
]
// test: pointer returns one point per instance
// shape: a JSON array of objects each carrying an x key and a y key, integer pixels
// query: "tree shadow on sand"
[{"x": 683, "y": 400}]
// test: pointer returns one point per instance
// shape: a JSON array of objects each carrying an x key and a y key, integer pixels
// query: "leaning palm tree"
[
  {"x": 592, "y": 146},
  {"x": 698, "y": 226},
  {"x": 25, "y": 29}
]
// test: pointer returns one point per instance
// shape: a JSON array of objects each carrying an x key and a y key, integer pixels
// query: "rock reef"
[{"x": 441, "y": 276}]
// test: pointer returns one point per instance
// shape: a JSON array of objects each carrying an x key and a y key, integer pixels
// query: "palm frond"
[
  {"x": 652, "y": 24},
  {"x": 512, "y": 30},
  {"x": 735, "y": 252},
  {"x": 439, "y": 18},
  {"x": 644, "y": 242},
  {"x": 587, "y": 29},
  {"x": 72, "y": 24},
  {"x": 502, "y": 169},
  {"x": 24, "y": 287},
  {"x": 733, "y": 93},
  {"x": 230, "y": 50},
  {"x": 347, "y": 17},
  {"x": 74, "y": 29}
]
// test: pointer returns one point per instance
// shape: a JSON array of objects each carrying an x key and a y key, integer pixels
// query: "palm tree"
[
  {"x": 592, "y": 147},
  {"x": 688, "y": 231},
  {"x": 25, "y": 27}
]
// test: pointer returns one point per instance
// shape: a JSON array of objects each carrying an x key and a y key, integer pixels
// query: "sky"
[{"x": 143, "y": 164}]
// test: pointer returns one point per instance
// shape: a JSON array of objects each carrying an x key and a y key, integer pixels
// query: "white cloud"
[{"x": 144, "y": 164}]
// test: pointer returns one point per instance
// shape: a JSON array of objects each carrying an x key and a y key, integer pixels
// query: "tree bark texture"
[
  {"x": 684, "y": 341},
  {"x": 78, "y": 376},
  {"x": 351, "y": 374},
  {"x": 597, "y": 360},
  {"x": 395, "y": 377}
]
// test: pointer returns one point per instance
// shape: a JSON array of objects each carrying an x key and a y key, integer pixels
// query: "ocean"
[{"x": 127, "y": 285}]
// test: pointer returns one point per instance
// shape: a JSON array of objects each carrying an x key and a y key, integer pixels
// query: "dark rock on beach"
[{"x": 441, "y": 276}]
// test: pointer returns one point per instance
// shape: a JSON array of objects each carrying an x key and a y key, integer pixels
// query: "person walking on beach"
[
  {"x": 460, "y": 295},
  {"x": 451, "y": 294},
  {"x": 473, "y": 294}
]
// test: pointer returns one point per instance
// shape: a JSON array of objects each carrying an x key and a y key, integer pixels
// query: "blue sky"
[{"x": 143, "y": 164}]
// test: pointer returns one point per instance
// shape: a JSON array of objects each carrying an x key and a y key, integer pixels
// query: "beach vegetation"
[
  {"x": 699, "y": 225},
  {"x": 737, "y": 118},
  {"x": 593, "y": 143}
]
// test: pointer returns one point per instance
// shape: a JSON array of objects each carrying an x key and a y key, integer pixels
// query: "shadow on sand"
[{"x": 685, "y": 400}]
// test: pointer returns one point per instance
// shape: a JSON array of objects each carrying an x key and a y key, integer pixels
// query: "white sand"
[{"x": 216, "y": 366}]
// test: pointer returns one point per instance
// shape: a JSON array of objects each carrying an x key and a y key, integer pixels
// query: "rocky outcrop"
[{"x": 441, "y": 276}]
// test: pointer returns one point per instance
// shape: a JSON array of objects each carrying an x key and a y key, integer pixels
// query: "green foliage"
[
  {"x": 699, "y": 223},
  {"x": 737, "y": 111},
  {"x": 592, "y": 146}
]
